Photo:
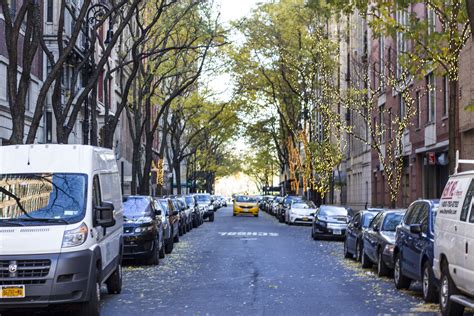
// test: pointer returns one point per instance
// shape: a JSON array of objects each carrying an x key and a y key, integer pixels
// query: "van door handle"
[{"x": 467, "y": 247}]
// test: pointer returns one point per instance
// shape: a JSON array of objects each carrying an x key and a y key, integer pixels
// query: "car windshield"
[
  {"x": 189, "y": 200},
  {"x": 164, "y": 204},
  {"x": 368, "y": 218},
  {"x": 136, "y": 207},
  {"x": 246, "y": 199},
  {"x": 391, "y": 221},
  {"x": 202, "y": 198},
  {"x": 43, "y": 197},
  {"x": 333, "y": 211},
  {"x": 307, "y": 204}
]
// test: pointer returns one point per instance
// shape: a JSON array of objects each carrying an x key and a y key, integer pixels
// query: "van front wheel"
[{"x": 114, "y": 283}]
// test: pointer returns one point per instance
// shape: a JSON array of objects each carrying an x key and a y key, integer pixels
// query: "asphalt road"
[{"x": 257, "y": 266}]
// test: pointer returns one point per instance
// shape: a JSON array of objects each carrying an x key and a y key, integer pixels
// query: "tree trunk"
[
  {"x": 145, "y": 182},
  {"x": 177, "y": 172},
  {"x": 136, "y": 165},
  {"x": 453, "y": 122}
]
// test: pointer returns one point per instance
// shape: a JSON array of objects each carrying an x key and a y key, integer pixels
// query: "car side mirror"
[
  {"x": 158, "y": 212},
  {"x": 175, "y": 213},
  {"x": 375, "y": 229},
  {"x": 415, "y": 229},
  {"x": 104, "y": 215}
]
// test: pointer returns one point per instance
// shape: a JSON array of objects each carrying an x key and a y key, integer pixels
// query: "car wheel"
[
  {"x": 347, "y": 254},
  {"x": 155, "y": 255},
  {"x": 169, "y": 246},
  {"x": 114, "y": 282},
  {"x": 176, "y": 238},
  {"x": 180, "y": 230},
  {"x": 358, "y": 252},
  {"x": 382, "y": 269},
  {"x": 430, "y": 294},
  {"x": 211, "y": 217},
  {"x": 234, "y": 214},
  {"x": 401, "y": 281},
  {"x": 92, "y": 306},
  {"x": 448, "y": 288},
  {"x": 365, "y": 261},
  {"x": 162, "y": 249},
  {"x": 256, "y": 215},
  {"x": 313, "y": 234}
]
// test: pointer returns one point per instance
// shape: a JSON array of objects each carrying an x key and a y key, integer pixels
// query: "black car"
[
  {"x": 173, "y": 220},
  {"x": 379, "y": 241},
  {"x": 182, "y": 216},
  {"x": 143, "y": 230},
  {"x": 414, "y": 251},
  {"x": 197, "y": 219},
  {"x": 358, "y": 224},
  {"x": 285, "y": 205},
  {"x": 330, "y": 221}
]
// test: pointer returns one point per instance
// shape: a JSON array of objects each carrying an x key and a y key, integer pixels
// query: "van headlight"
[{"x": 75, "y": 237}]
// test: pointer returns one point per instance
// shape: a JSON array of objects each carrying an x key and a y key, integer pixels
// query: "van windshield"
[{"x": 42, "y": 198}]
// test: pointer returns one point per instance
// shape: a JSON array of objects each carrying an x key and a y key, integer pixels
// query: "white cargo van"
[
  {"x": 453, "y": 263},
  {"x": 61, "y": 228}
]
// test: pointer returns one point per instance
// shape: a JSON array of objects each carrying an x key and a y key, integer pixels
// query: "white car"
[
  {"x": 300, "y": 212},
  {"x": 453, "y": 263},
  {"x": 61, "y": 223}
]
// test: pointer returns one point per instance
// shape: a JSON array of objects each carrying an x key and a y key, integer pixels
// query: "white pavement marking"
[{"x": 245, "y": 234}]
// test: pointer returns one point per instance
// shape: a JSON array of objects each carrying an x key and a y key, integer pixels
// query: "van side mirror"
[
  {"x": 104, "y": 215},
  {"x": 415, "y": 229}
]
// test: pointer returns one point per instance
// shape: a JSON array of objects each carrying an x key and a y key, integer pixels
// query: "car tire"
[
  {"x": 211, "y": 217},
  {"x": 382, "y": 269},
  {"x": 281, "y": 219},
  {"x": 256, "y": 215},
  {"x": 169, "y": 246},
  {"x": 430, "y": 293},
  {"x": 313, "y": 234},
  {"x": 448, "y": 288},
  {"x": 358, "y": 252},
  {"x": 180, "y": 230},
  {"x": 92, "y": 306},
  {"x": 365, "y": 260},
  {"x": 154, "y": 259},
  {"x": 114, "y": 282},
  {"x": 400, "y": 281},
  {"x": 234, "y": 214},
  {"x": 347, "y": 254},
  {"x": 176, "y": 238},
  {"x": 162, "y": 249}
]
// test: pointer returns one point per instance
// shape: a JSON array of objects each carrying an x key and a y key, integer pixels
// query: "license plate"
[
  {"x": 12, "y": 291},
  {"x": 305, "y": 218},
  {"x": 337, "y": 232}
]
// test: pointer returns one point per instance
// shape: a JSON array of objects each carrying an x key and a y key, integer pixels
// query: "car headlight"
[
  {"x": 324, "y": 224},
  {"x": 389, "y": 249},
  {"x": 75, "y": 237},
  {"x": 143, "y": 229}
]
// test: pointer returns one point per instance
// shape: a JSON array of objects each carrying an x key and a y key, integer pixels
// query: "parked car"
[
  {"x": 197, "y": 215},
  {"x": 142, "y": 230},
  {"x": 300, "y": 212},
  {"x": 453, "y": 263},
  {"x": 188, "y": 209},
  {"x": 173, "y": 219},
  {"x": 167, "y": 226},
  {"x": 414, "y": 248},
  {"x": 330, "y": 221},
  {"x": 275, "y": 205},
  {"x": 205, "y": 204},
  {"x": 62, "y": 261},
  {"x": 379, "y": 241},
  {"x": 359, "y": 223},
  {"x": 182, "y": 216},
  {"x": 285, "y": 205},
  {"x": 244, "y": 204}
]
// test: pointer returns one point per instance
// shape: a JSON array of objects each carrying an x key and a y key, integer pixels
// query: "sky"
[{"x": 235, "y": 9}]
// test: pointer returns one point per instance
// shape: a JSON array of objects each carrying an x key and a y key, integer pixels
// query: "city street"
[{"x": 257, "y": 266}]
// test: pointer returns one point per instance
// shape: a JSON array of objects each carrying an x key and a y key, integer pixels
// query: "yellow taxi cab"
[{"x": 244, "y": 204}]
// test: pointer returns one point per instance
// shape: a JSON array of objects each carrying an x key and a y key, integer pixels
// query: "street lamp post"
[{"x": 95, "y": 14}]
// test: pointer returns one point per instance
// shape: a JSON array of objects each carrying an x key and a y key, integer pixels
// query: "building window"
[
  {"x": 382, "y": 123},
  {"x": 402, "y": 108},
  {"x": 418, "y": 110},
  {"x": 382, "y": 61},
  {"x": 49, "y": 11},
  {"x": 446, "y": 96},
  {"x": 431, "y": 88},
  {"x": 49, "y": 127},
  {"x": 431, "y": 19},
  {"x": 402, "y": 42}
]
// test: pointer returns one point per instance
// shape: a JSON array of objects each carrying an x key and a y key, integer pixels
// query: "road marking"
[{"x": 248, "y": 234}]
